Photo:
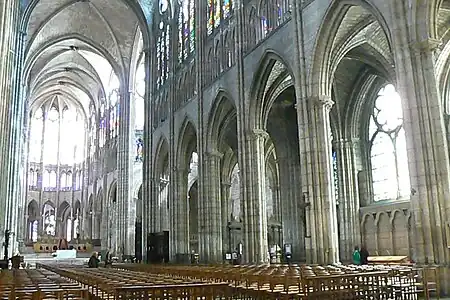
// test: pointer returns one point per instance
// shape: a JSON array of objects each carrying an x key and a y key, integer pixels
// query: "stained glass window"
[
  {"x": 186, "y": 27},
  {"x": 218, "y": 10},
  {"x": 390, "y": 173},
  {"x": 163, "y": 44},
  {"x": 227, "y": 6},
  {"x": 273, "y": 14},
  {"x": 139, "y": 150}
]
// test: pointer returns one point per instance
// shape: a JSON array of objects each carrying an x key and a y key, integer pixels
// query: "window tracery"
[
  {"x": 186, "y": 29},
  {"x": 273, "y": 14},
  {"x": 218, "y": 11},
  {"x": 162, "y": 43},
  {"x": 388, "y": 155}
]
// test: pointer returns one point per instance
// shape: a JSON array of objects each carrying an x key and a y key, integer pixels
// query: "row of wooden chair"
[
  {"x": 38, "y": 285},
  {"x": 303, "y": 282},
  {"x": 106, "y": 283}
]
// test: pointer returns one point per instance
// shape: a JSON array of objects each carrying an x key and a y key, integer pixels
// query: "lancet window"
[
  {"x": 163, "y": 31},
  {"x": 218, "y": 10},
  {"x": 388, "y": 155},
  {"x": 186, "y": 29}
]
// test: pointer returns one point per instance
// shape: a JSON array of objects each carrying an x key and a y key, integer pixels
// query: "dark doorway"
[
  {"x": 138, "y": 241},
  {"x": 158, "y": 247}
]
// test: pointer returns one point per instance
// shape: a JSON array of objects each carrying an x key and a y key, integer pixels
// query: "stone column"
[
  {"x": 225, "y": 214},
  {"x": 348, "y": 196},
  {"x": 164, "y": 213},
  {"x": 212, "y": 213},
  {"x": 147, "y": 167},
  {"x": 317, "y": 181},
  {"x": 255, "y": 206},
  {"x": 11, "y": 118},
  {"x": 292, "y": 217},
  {"x": 428, "y": 153},
  {"x": 180, "y": 212},
  {"x": 124, "y": 165}
]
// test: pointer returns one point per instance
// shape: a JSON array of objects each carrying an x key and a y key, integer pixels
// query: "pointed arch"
[
  {"x": 270, "y": 64},
  {"x": 112, "y": 195},
  {"x": 33, "y": 210},
  {"x": 161, "y": 155},
  {"x": 222, "y": 111},
  {"x": 187, "y": 142},
  {"x": 320, "y": 77}
]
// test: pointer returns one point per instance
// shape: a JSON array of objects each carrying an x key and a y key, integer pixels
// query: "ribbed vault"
[{"x": 75, "y": 49}]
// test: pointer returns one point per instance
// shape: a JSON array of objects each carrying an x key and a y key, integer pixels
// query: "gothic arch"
[
  {"x": 161, "y": 156},
  {"x": 223, "y": 110},
  {"x": 271, "y": 72},
  {"x": 187, "y": 142},
  {"x": 327, "y": 54},
  {"x": 33, "y": 210},
  {"x": 112, "y": 195},
  {"x": 358, "y": 111}
]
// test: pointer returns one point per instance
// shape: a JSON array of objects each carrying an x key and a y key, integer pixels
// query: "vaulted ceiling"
[{"x": 72, "y": 45}]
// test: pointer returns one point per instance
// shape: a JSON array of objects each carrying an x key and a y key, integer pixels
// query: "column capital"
[
  {"x": 259, "y": 133},
  {"x": 323, "y": 101},
  {"x": 214, "y": 154},
  {"x": 427, "y": 45}
]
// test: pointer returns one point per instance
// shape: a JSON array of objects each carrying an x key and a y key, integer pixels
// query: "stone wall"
[{"x": 386, "y": 229}]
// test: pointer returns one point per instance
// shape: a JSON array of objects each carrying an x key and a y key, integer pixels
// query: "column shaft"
[
  {"x": 317, "y": 181},
  {"x": 212, "y": 214},
  {"x": 426, "y": 141},
  {"x": 11, "y": 117}
]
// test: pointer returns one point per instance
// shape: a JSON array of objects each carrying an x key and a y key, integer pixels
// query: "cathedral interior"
[{"x": 256, "y": 127}]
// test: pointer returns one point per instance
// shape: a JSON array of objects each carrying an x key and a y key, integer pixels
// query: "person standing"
[
  {"x": 356, "y": 256},
  {"x": 94, "y": 261},
  {"x": 364, "y": 255}
]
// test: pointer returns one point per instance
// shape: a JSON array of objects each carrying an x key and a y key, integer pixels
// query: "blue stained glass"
[{"x": 147, "y": 8}]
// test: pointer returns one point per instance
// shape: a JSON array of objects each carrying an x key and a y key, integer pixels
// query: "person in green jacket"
[{"x": 356, "y": 256}]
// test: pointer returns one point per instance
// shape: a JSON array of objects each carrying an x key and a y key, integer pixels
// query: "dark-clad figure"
[
  {"x": 364, "y": 255},
  {"x": 93, "y": 261},
  {"x": 108, "y": 260}
]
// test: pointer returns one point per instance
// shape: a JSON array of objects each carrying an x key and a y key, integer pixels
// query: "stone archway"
[{"x": 33, "y": 221}]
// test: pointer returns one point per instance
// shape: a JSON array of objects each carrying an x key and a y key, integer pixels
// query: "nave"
[{"x": 140, "y": 281}]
